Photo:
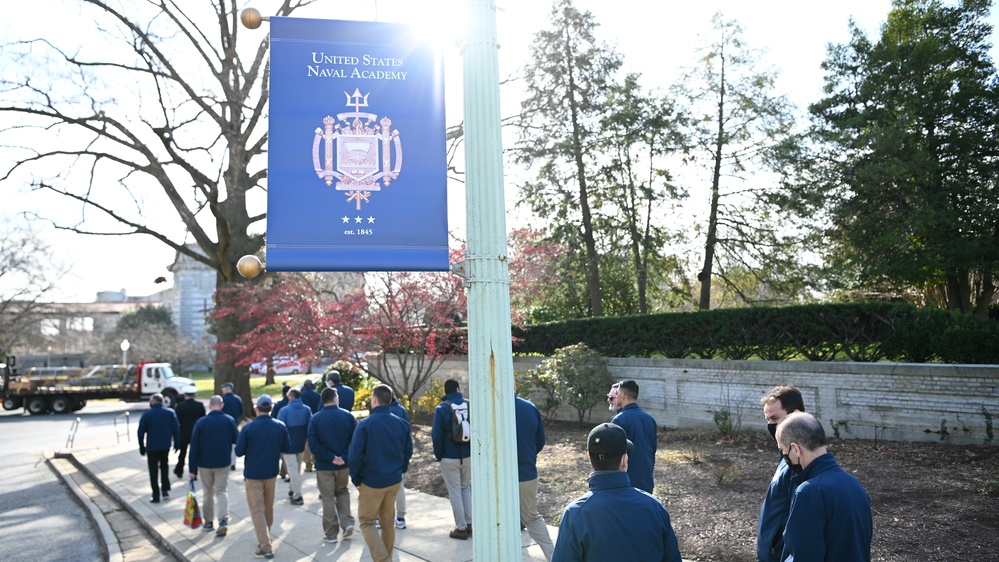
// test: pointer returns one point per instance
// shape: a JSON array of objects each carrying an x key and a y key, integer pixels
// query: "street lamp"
[{"x": 124, "y": 351}]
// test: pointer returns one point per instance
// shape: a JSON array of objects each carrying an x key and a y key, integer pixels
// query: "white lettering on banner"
[
  {"x": 326, "y": 72},
  {"x": 378, "y": 74}
]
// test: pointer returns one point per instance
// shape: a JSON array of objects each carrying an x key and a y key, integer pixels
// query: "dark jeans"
[
  {"x": 181, "y": 458},
  {"x": 159, "y": 468}
]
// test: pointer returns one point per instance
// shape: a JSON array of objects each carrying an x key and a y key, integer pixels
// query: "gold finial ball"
[
  {"x": 249, "y": 266},
  {"x": 251, "y": 20}
]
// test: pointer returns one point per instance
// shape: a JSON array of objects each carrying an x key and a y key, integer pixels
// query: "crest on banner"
[{"x": 361, "y": 153}]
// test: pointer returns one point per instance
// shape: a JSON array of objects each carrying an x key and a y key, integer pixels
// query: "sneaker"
[
  {"x": 459, "y": 534},
  {"x": 260, "y": 552},
  {"x": 223, "y": 528},
  {"x": 297, "y": 501},
  {"x": 378, "y": 524},
  {"x": 329, "y": 540},
  {"x": 166, "y": 493},
  {"x": 400, "y": 522},
  {"x": 348, "y": 531},
  {"x": 154, "y": 500},
  {"x": 208, "y": 526}
]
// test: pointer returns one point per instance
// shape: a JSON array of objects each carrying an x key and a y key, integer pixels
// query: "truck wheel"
[
  {"x": 11, "y": 403},
  {"x": 169, "y": 398},
  {"x": 37, "y": 406},
  {"x": 294, "y": 371},
  {"x": 79, "y": 404},
  {"x": 61, "y": 405}
]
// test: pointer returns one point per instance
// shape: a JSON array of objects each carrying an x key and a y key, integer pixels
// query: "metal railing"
[
  {"x": 118, "y": 433},
  {"x": 72, "y": 433}
]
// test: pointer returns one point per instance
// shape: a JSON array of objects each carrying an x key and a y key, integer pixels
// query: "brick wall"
[{"x": 893, "y": 401}]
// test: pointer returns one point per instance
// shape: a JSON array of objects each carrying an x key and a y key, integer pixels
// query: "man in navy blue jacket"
[
  {"x": 211, "y": 442},
  {"x": 777, "y": 404},
  {"x": 614, "y": 521},
  {"x": 345, "y": 393},
  {"x": 400, "y": 498},
  {"x": 379, "y": 454},
  {"x": 311, "y": 399},
  {"x": 453, "y": 458},
  {"x": 530, "y": 441},
  {"x": 296, "y": 416},
  {"x": 330, "y": 434},
  {"x": 232, "y": 404},
  {"x": 830, "y": 517},
  {"x": 262, "y": 441},
  {"x": 163, "y": 430},
  {"x": 642, "y": 431}
]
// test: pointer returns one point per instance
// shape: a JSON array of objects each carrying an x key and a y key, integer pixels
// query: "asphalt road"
[{"x": 40, "y": 518}]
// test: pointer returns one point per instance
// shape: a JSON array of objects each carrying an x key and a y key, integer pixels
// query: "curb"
[
  {"x": 110, "y": 546},
  {"x": 135, "y": 515}
]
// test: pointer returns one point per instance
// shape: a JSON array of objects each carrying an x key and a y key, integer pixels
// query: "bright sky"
[{"x": 655, "y": 38}]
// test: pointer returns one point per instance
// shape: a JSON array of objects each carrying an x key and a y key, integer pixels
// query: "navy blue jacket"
[
  {"x": 444, "y": 446},
  {"x": 396, "y": 408},
  {"x": 188, "y": 413},
  {"x": 614, "y": 521},
  {"x": 642, "y": 431},
  {"x": 161, "y": 426},
  {"x": 773, "y": 515},
  {"x": 262, "y": 441},
  {"x": 830, "y": 515},
  {"x": 380, "y": 450},
  {"x": 345, "y": 395},
  {"x": 232, "y": 404},
  {"x": 296, "y": 416},
  {"x": 530, "y": 438},
  {"x": 276, "y": 409},
  {"x": 212, "y": 441},
  {"x": 312, "y": 399},
  {"x": 330, "y": 434}
]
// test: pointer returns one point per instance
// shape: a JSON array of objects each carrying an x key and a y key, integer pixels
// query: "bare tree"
[
  {"x": 168, "y": 118},
  {"x": 27, "y": 273},
  {"x": 738, "y": 118}
]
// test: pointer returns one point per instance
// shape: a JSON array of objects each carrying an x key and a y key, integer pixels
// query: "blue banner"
[{"x": 348, "y": 100}]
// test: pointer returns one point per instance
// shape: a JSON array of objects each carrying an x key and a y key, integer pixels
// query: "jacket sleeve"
[
  {"x": 408, "y": 451},
  {"x": 803, "y": 535},
  {"x": 192, "y": 452},
  {"x": 671, "y": 550},
  {"x": 539, "y": 437},
  {"x": 567, "y": 547},
  {"x": 285, "y": 441},
  {"x": 355, "y": 459},
  {"x": 176, "y": 427},
  {"x": 318, "y": 449},
  {"x": 142, "y": 431},
  {"x": 234, "y": 430},
  {"x": 437, "y": 431}
]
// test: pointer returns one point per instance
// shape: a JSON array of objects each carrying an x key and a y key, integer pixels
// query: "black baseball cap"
[{"x": 608, "y": 440}]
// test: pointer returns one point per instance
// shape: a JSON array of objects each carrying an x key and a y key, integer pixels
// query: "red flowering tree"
[
  {"x": 414, "y": 322},
  {"x": 534, "y": 275},
  {"x": 286, "y": 314}
]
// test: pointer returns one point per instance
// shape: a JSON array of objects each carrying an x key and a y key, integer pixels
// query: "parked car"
[{"x": 283, "y": 365}]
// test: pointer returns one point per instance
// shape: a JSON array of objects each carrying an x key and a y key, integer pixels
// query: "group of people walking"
[{"x": 813, "y": 510}]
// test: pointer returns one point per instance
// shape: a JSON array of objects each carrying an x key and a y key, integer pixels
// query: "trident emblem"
[{"x": 357, "y": 151}]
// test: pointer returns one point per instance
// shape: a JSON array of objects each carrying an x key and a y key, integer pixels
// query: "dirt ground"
[{"x": 931, "y": 501}]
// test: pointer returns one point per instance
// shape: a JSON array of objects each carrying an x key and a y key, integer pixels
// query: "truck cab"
[{"x": 159, "y": 377}]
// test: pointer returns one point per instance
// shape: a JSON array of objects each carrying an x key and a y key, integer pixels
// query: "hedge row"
[{"x": 822, "y": 332}]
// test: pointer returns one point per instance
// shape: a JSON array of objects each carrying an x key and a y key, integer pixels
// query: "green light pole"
[{"x": 495, "y": 499}]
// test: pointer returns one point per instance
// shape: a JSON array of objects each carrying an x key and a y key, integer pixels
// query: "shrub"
[{"x": 574, "y": 375}]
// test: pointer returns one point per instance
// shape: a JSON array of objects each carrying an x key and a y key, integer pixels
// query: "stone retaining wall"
[{"x": 893, "y": 401}]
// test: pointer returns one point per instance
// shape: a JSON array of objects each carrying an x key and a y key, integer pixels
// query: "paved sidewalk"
[{"x": 297, "y": 530}]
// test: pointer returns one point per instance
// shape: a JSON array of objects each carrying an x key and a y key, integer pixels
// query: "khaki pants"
[
  {"x": 457, "y": 474},
  {"x": 336, "y": 500},
  {"x": 529, "y": 515},
  {"x": 377, "y": 503},
  {"x": 215, "y": 484},
  {"x": 294, "y": 463},
  {"x": 260, "y": 498}
]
